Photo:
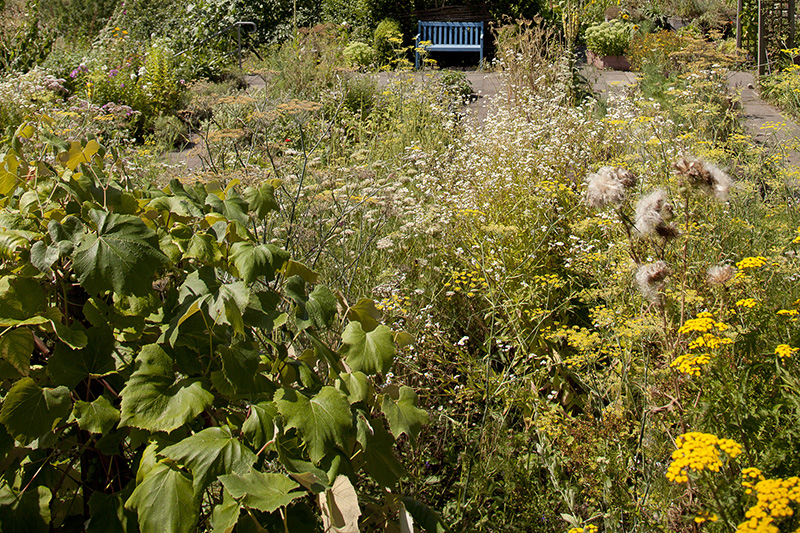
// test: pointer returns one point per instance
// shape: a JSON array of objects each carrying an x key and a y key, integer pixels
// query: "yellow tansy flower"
[
  {"x": 752, "y": 262},
  {"x": 784, "y": 351},
  {"x": 697, "y": 452}
]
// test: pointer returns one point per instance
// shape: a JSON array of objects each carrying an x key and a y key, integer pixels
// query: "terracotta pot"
[{"x": 610, "y": 62}]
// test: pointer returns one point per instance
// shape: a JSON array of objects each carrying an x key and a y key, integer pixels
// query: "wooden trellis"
[{"x": 772, "y": 29}]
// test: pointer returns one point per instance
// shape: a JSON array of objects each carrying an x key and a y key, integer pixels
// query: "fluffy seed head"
[
  {"x": 607, "y": 186},
  {"x": 720, "y": 274},
  {"x": 709, "y": 178},
  {"x": 653, "y": 212},
  {"x": 651, "y": 278}
]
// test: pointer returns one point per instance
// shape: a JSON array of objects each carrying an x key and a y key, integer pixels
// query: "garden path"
[{"x": 764, "y": 122}]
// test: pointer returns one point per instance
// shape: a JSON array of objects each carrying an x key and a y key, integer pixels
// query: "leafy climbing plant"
[{"x": 164, "y": 368}]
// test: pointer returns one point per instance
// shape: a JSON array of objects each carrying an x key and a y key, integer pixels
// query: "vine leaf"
[
  {"x": 20, "y": 299},
  {"x": 365, "y": 312},
  {"x": 28, "y": 511},
  {"x": 322, "y": 421},
  {"x": 210, "y": 453},
  {"x": 69, "y": 367},
  {"x": 377, "y": 444},
  {"x": 29, "y": 411},
  {"x": 226, "y": 514},
  {"x": 108, "y": 513},
  {"x": 98, "y": 416},
  {"x": 261, "y": 200},
  {"x": 165, "y": 501},
  {"x": 259, "y": 427},
  {"x": 369, "y": 352},
  {"x": 253, "y": 262},
  {"x": 424, "y": 516},
  {"x": 339, "y": 506},
  {"x": 122, "y": 255},
  {"x": 265, "y": 492},
  {"x": 154, "y": 401},
  {"x": 16, "y": 347},
  {"x": 400, "y": 408}
]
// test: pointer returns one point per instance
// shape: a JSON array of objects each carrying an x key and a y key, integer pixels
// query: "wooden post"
[
  {"x": 762, "y": 43},
  {"x": 739, "y": 8},
  {"x": 790, "y": 9}
]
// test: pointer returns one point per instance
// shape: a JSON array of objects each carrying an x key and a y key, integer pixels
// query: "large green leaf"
[
  {"x": 265, "y": 492},
  {"x": 69, "y": 367},
  {"x": 165, "y": 501},
  {"x": 228, "y": 305},
  {"x": 370, "y": 352},
  {"x": 322, "y": 421},
  {"x": 16, "y": 347},
  {"x": 378, "y": 445},
  {"x": 225, "y": 514},
  {"x": 233, "y": 208},
  {"x": 253, "y": 261},
  {"x": 204, "y": 248},
  {"x": 211, "y": 453},
  {"x": 424, "y": 516},
  {"x": 20, "y": 299},
  {"x": 365, "y": 312},
  {"x": 321, "y": 306},
  {"x": 98, "y": 416},
  {"x": 108, "y": 513},
  {"x": 27, "y": 512},
  {"x": 239, "y": 371},
  {"x": 400, "y": 408},
  {"x": 122, "y": 255},
  {"x": 181, "y": 206},
  {"x": 261, "y": 200},
  {"x": 259, "y": 428},
  {"x": 154, "y": 401},
  {"x": 29, "y": 411}
]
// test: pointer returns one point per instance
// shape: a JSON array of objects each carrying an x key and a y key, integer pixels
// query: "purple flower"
[
  {"x": 121, "y": 85},
  {"x": 113, "y": 72},
  {"x": 74, "y": 73}
]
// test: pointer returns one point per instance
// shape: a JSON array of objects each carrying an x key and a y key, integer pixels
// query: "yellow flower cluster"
[
  {"x": 749, "y": 475},
  {"x": 591, "y": 528},
  {"x": 471, "y": 282},
  {"x": 796, "y": 240},
  {"x": 395, "y": 304},
  {"x": 747, "y": 302},
  {"x": 707, "y": 341},
  {"x": 705, "y": 516},
  {"x": 690, "y": 363},
  {"x": 702, "y": 324},
  {"x": 784, "y": 350},
  {"x": 751, "y": 262},
  {"x": 774, "y": 498},
  {"x": 699, "y": 451}
]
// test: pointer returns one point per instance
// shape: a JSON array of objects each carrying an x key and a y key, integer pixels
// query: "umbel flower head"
[
  {"x": 651, "y": 278},
  {"x": 709, "y": 178},
  {"x": 607, "y": 186},
  {"x": 653, "y": 213}
]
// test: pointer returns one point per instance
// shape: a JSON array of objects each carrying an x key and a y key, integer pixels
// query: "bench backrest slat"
[{"x": 466, "y": 35}]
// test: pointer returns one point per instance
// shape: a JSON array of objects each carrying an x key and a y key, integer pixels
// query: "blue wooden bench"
[{"x": 450, "y": 37}]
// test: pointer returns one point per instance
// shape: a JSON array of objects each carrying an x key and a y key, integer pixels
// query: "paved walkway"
[{"x": 764, "y": 122}]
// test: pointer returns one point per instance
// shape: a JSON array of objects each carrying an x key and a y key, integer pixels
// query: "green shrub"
[
  {"x": 610, "y": 38},
  {"x": 386, "y": 40},
  {"x": 360, "y": 54}
]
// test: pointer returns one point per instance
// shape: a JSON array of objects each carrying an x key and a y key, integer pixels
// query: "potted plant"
[{"x": 607, "y": 42}]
